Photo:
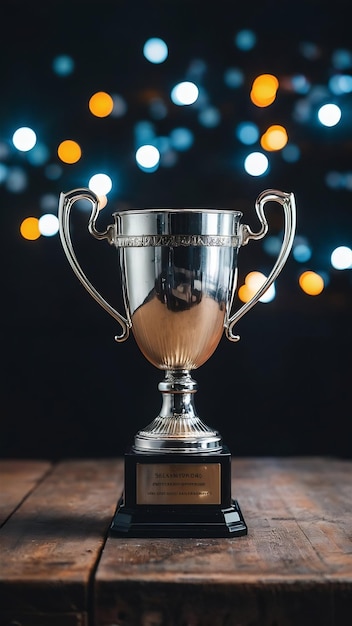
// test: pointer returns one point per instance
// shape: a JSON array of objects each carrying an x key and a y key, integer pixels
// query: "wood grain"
[
  {"x": 17, "y": 479},
  {"x": 50, "y": 546},
  {"x": 60, "y": 567},
  {"x": 294, "y": 567}
]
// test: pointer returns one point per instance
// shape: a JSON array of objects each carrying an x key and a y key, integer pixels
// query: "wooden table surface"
[{"x": 59, "y": 566}]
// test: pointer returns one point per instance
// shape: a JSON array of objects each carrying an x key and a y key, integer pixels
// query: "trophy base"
[
  {"x": 177, "y": 495},
  {"x": 129, "y": 522}
]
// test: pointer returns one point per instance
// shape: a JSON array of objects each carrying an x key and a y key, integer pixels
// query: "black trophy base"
[
  {"x": 177, "y": 495},
  {"x": 170, "y": 522}
]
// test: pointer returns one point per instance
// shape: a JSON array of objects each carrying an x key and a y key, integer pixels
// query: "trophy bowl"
[{"x": 178, "y": 273}]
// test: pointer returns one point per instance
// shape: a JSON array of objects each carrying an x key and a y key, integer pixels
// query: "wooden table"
[{"x": 60, "y": 567}]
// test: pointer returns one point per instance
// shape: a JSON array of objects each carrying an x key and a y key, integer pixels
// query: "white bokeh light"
[
  {"x": 148, "y": 156},
  {"x": 341, "y": 258},
  {"x": 48, "y": 225},
  {"x": 24, "y": 139},
  {"x": 184, "y": 93},
  {"x": 256, "y": 164},
  {"x": 329, "y": 114},
  {"x": 101, "y": 184}
]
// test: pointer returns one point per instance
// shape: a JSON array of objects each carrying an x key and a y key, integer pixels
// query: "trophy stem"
[{"x": 177, "y": 427}]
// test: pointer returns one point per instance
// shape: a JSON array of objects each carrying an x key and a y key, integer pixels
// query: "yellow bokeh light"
[
  {"x": 266, "y": 84},
  {"x": 244, "y": 293},
  {"x": 101, "y": 104},
  {"x": 29, "y": 228},
  {"x": 254, "y": 280},
  {"x": 264, "y": 88},
  {"x": 311, "y": 283},
  {"x": 69, "y": 151},
  {"x": 261, "y": 102},
  {"x": 275, "y": 138}
]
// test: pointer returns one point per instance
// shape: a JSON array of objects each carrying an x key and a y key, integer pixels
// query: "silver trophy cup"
[{"x": 178, "y": 275}]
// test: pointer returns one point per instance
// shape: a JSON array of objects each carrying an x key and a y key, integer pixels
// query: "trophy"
[{"x": 178, "y": 274}]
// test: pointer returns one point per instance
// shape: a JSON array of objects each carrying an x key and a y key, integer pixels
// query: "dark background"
[{"x": 68, "y": 389}]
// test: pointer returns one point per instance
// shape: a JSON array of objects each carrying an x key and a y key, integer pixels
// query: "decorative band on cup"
[{"x": 174, "y": 241}]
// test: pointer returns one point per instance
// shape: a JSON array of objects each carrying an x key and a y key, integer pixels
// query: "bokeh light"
[
  {"x": 120, "y": 106},
  {"x": 101, "y": 184},
  {"x": 210, "y": 117},
  {"x": 272, "y": 245},
  {"x": 103, "y": 200},
  {"x": 16, "y": 179},
  {"x": 155, "y": 50},
  {"x": 275, "y": 138},
  {"x": 301, "y": 250},
  {"x": 245, "y": 39},
  {"x": 253, "y": 282},
  {"x": 342, "y": 59},
  {"x": 29, "y": 228},
  {"x": 233, "y": 77},
  {"x": 256, "y": 164},
  {"x": 63, "y": 65},
  {"x": 184, "y": 93},
  {"x": 340, "y": 84},
  {"x": 341, "y": 258},
  {"x": 69, "y": 151},
  {"x": 264, "y": 88},
  {"x": 24, "y": 139},
  {"x": 147, "y": 157},
  {"x": 181, "y": 138},
  {"x": 48, "y": 225},
  {"x": 329, "y": 114},
  {"x": 101, "y": 104},
  {"x": 247, "y": 133},
  {"x": 311, "y": 283}
]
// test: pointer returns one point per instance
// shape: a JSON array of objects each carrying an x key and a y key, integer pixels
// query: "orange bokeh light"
[
  {"x": 69, "y": 151},
  {"x": 275, "y": 138},
  {"x": 253, "y": 282},
  {"x": 101, "y": 104},
  {"x": 311, "y": 283},
  {"x": 29, "y": 228},
  {"x": 264, "y": 88}
]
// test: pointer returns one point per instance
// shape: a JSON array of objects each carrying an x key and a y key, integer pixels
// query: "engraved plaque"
[{"x": 178, "y": 483}]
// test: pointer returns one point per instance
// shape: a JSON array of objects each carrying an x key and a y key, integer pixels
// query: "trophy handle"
[
  {"x": 65, "y": 204},
  {"x": 287, "y": 201}
]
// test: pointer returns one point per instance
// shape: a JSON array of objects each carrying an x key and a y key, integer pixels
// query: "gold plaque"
[{"x": 178, "y": 483}]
